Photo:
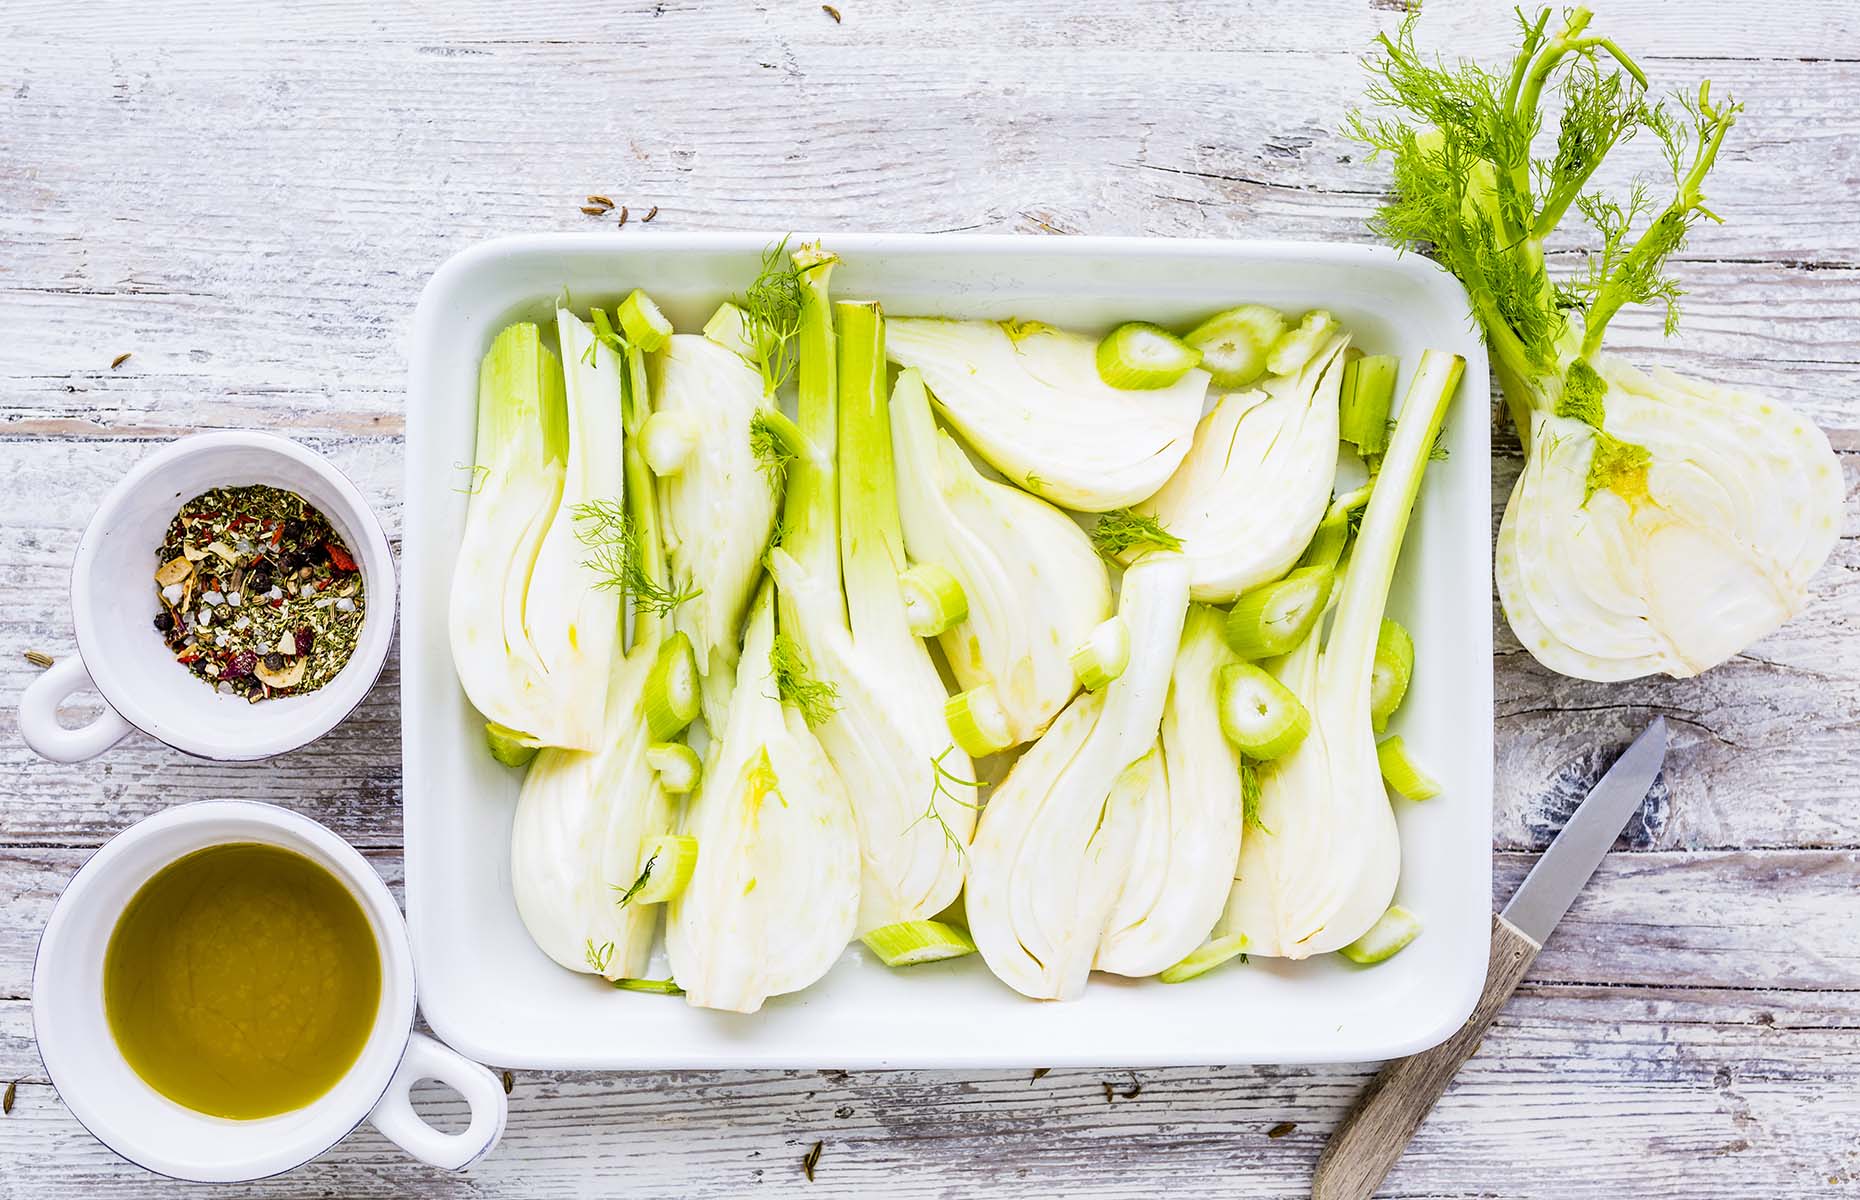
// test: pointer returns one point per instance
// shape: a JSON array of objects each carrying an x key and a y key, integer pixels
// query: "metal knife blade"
[{"x": 1551, "y": 887}]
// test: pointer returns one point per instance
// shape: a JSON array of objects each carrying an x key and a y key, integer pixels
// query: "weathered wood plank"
[
  {"x": 1575, "y": 1091},
  {"x": 1816, "y": 29}
]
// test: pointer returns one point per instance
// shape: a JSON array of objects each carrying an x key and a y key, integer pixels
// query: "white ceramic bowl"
[
  {"x": 478, "y": 966},
  {"x": 113, "y": 604},
  {"x": 106, "y": 1095}
]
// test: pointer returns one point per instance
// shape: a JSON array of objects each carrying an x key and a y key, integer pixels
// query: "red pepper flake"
[{"x": 338, "y": 557}]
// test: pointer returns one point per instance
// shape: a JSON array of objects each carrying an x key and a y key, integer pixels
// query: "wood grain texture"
[
  {"x": 1372, "y": 1137},
  {"x": 248, "y": 198}
]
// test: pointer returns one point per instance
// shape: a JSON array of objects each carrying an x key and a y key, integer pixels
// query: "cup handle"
[
  {"x": 38, "y": 716},
  {"x": 427, "y": 1058}
]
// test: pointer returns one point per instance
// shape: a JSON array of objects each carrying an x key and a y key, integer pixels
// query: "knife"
[{"x": 1371, "y": 1139}]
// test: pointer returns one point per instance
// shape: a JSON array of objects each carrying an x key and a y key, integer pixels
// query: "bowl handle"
[
  {"x": 38, "y": 716},
  {"x": 395, "y": 1118}
]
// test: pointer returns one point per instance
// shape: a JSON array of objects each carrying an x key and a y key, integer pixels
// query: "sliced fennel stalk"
[
  {"x": 1188, "y": 837},
  {"x": 1029, "y": 399},
  {"x": 1322, "y": 869},
  {"x": 888, "y": 731},
  {"x": 586, "y": 820},
  {"x": 1252, "y": 490},
  {"x": 1055, "y": 843},
  {"x": 1033, "y": 587},
  {"x": 1659, "y": 525},
  {"x": 774, "y": 897},
  {"x": 532, "y": 627},
  {"x": 719, "y": 507}
]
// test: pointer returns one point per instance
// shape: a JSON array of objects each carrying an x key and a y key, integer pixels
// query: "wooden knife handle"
[{"x": 1372, "y": 1137}]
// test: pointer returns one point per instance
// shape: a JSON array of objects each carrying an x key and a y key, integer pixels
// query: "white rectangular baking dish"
[{"x": 489, "y": 992}]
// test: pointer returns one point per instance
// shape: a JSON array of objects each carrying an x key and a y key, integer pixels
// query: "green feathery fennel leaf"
[
  {"x": 606, "y": 528},
  {"x": 1124, "y": 529},
  {"x": 815, "y": 699}
]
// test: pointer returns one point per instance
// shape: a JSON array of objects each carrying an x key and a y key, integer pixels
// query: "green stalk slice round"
[
  {"x": 977, "y": 722},
  {"x": 645, "y": 326},
  {"x": 1392, "y": 931},
  {"x": 1140, "y": 356},
  {"x": 1275, "y": 618},
  {"x": 677, "y": 766},
  {"x": 1259, "y": 714},
  {"x": 933, "y": 599},
  {"x": 1205, "y": 958},
  {"x": 1401, "y": 772},
  {"x": 667, "y": 440},
  {"x": 911, "y": 942},
  {"x": 1234, "y": 343},
  {"x": 1295, "y": 347},
  {"x": 508, "y": 745},
  {"x": 1388, "y": 682},
  {"x": 1104, "y": 655},
  {"x": 672, "y": 694}
]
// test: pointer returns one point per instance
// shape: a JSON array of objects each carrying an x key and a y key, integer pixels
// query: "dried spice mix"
[{"x": 259, "y": 596}]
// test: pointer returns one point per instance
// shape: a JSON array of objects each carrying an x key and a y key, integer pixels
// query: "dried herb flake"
[
  {"x": 831, "y": 12},
  {"x": 811, "y": 1159},
  {"x": 1281, "y": 1129},
  {"x": 120, "y": 359},
  {"x": 12, "y": 1092},
  {"x": 651, "y": 213},
  {"x": 39, "y": 658}
]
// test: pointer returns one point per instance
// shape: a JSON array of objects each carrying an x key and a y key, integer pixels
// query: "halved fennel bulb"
[
  {"x": 1035, "y": 588},
  {"x": 532, "y": 626},
  {"x": 775, "y": 894},
  {"x": 1249, "y": 495},
  {"x": 886, "y": 733},
  {"x": 1029, "y": 399},
  {"x": 1057, "y": 838},
  {"x": 1187, "y": 840},
  {"x": 718, "y": 507},
  {"x": 1682, "y": 561},
  {"x": 585, "y": 819},
  {"x": 1323, "y": 868},
  {"x": 1660, "y": 525}
]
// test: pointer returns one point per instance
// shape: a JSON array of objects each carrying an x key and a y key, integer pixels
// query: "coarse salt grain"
[
  {"x": 345, "y": 605},
  {"x": 233, "y": 598},
  {"x": 172, "y": 593}
]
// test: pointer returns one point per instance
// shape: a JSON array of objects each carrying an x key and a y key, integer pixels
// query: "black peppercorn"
[
  {"x": 260, "y": 580},
  {"x": 274, "y": 661},
  {"x": 291, "y": 560},
  {"x": 164, "y": 621}
]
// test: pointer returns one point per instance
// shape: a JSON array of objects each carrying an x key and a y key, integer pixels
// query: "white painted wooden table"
[{"x": 248, "y": 197}]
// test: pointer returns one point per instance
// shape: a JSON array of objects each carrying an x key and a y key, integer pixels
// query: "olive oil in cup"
[
  {"x": 242, "y": 981},
  {"x": 223, "y": 960}
]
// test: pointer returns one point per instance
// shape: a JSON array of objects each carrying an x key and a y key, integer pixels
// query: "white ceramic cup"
[
  {"x": 106, "y": 1095},
  {"x": 113, "y": 605}
]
